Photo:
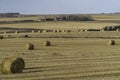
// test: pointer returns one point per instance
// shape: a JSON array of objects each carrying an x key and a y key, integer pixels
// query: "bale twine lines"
[
  {"x": 29, "y": 46},
  {"x": 111, "y": 42},
  {"x": 12, "y": 65}
]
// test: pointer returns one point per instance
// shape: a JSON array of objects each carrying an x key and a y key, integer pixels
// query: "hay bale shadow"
[{"x": 33, "y": 70}]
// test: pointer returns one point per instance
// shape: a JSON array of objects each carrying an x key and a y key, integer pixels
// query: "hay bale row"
[
  {"x": 59, "y": 31},
  {"x": 30, "y": 46},
  {"x": 12, "y": 65},
  {"x": 81, "y": 30}
]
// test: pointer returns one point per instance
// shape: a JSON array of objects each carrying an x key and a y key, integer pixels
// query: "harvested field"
[
  {"x": 66, "y": 59},
  {"x": 74, "y": 55}
]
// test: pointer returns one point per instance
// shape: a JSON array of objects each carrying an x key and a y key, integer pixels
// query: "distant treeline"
[
  {"x": 76, "y": 18},
  {"x": 68, "y": 18},
  {"x": 44, "y": 18}
]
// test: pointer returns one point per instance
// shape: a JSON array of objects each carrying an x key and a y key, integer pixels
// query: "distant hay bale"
[
  {"x": 12, "y": 65},
  {"x": 23, "y": 36},
  {"x": 55, "y": 31},
  {"x": 33, "y": 31},
  {"x": 78, "y": 30},
  {"x": 1, "y": 37},
  {"x": 86, "y": 30},
  {"x": 29, "y": 46},
  {"x": 5, "y": 32},
  {"x": 64, "y": 31},
  {"x": 68, "y": 31},
  {"x": 111, "y": 42},
  {"x": 117, "y": 30},
  {"x": 16, "y": 32},
  {"x": 47, "y": 43},
  {"x": 40, "y": 31},
  {"x": 81, "y": 30},
  {"x": 44, "y": 31},
  {"x": 59, "y": 31}
]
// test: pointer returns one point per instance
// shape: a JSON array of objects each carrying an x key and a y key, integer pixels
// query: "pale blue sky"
[{"x": 59, "y": 6}]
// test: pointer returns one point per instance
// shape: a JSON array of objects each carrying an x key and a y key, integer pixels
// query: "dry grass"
[
  {"x": 62, "y": 25},
  {"x": 72, "y": 59},
  {"x": 69, "y": 58}
]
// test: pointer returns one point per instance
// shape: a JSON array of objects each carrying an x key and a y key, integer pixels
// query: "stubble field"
[{"x": 72, "y": 56}]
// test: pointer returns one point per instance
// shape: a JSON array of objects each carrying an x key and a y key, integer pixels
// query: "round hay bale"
[
  {"x": 33, "y": 31},
  {"x": 5, "y": 32},
  {"x": 64, "y": 31},
  {"x": 10, "y": 65},
  {"x": 1, "y": 37},
  {"x": 23, "y": 36},
  {"x": 40, "y": 31},
  {"x": 16, "y": 32},
  {"x": 111, "y": 42},
  {"x": 20, "y": 61},
  {"x": 81, "y": 30},
  {"x": 59, "y": 31},
  {"x": 68, "y": 31},
  {"x": 117, "y": 30},
  {"x": 55, "y": 31},
  {"x": 47, "y": 43},
  {"x": 44, "y": 31},
  {"x": 29, "y": 46},
  {"x": 86, "y": 30}
]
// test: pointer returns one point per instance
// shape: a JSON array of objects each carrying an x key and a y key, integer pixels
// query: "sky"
[{"x": 59, "y": 6}]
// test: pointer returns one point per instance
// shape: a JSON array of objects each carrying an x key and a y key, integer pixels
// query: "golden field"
[{"x": 71, "y": 56}]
